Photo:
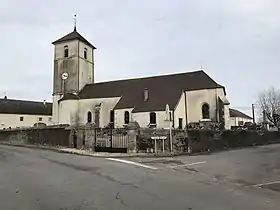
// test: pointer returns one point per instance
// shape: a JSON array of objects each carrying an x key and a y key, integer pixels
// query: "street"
[{"x": 32, "y": 179}]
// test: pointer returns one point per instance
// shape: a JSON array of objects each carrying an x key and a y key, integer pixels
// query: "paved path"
[{"x": 33, "y": 179}]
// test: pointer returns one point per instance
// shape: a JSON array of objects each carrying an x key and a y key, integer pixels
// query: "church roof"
[
  {"x": 162, "y": 90},
  {"x": 74, "y": 35},
  {"x": 12, "y": 106},
  {"x": 237, "y": 113}
]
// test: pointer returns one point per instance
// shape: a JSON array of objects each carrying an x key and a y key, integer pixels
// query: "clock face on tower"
[{"x": 64, "y": 76}]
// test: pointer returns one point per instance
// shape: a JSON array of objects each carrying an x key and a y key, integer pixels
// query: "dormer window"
[
  {"x": 85, "y": 53},
  {"x": 66, "y": 51}
]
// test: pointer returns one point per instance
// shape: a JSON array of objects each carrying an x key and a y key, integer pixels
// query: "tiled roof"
[
  {"x": 74, "y": 35},
  {"x": 162, "y": 90},
  {"x": 236, "y": 113},
  {"x": 12, "y": 106}
]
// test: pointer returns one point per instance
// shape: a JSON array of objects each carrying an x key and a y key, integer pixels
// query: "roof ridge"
[{"x": 147, "y": 77}]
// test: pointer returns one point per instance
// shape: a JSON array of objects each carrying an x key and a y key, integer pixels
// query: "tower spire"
[{"x": 75, "y": 22}]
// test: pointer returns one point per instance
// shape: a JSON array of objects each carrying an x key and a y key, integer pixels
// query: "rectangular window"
[
  {"x": 180, "y": 123},
  {"x": 40, "y": 119},
  {"x": 21, "y": 119}
]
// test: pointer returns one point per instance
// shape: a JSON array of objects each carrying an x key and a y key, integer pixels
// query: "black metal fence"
[{"x": 111, "y": 140}]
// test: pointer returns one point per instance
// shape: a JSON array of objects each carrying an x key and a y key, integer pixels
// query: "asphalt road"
[{"x": 33, "y": 179}]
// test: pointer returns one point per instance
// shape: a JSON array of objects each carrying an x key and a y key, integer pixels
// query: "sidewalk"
[{"x": 87, "y": 152}]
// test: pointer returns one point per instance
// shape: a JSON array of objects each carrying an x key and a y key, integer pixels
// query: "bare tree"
[{"x": 269, "y": 102}]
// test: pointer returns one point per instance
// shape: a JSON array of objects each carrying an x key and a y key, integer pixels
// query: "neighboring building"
[
  {"x": 18, "y": 113},
  {"x": 238, "y": 118},
  {"x": 192, "y": 97}
]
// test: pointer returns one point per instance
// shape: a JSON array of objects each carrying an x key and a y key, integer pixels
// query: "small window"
[
  {"x": 21, "y": 119},
  {"x": 153, "y": 118},
  {"x": 180, "y": 123},
  {"x": 112, "y": 118},
  {"x": 66, "y": 51},
  {"x": 85, "y": 53},
  {"x": 40, "y": 119},
  {"x": 89, "y": 117},
  {"x": 126, "y": 117},
  {"x": 240, "y": 123},
  {"x": 205, "y": 111}
]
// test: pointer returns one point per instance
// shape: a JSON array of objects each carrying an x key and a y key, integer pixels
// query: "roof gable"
[
  {"x": 237, "y": 113},
  {"x": 11, "y": 106},
  {"x": 161, "y": 90},
  {"x": 74, "y": 35}
]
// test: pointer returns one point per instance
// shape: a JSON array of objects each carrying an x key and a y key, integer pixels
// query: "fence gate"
[{"x": 113, "y": 140}]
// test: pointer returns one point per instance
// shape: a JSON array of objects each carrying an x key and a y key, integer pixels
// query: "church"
[{"x": 192, "y": 97}]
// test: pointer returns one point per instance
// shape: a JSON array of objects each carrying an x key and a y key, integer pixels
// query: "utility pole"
[{"x": 253, "y": 113}]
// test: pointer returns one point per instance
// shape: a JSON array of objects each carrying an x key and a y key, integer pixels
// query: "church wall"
[
  {"x": 143, "y": 119},
  {"x": 119, "y": 117},
  {"x": 179, "y": 112},
  {"x": 86, "y": 105},
  {"x": 69, "y": 65},
  {"x": 68, "y": 112},
  {"x": 86, "y": 67},
  {"x": 195, "y": 100},
  {"x": 13, "y": 120}
]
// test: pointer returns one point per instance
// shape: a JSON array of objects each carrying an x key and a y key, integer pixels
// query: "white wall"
[
  {"x": 180, "y": 112},
  {"x": 234, "y": 120},
  {"x": 143, "y": 119},
  {"x": 194, "y": 101},
  {"x": 119, "y": 117},
  {"x": 75, "y": 111},
  {"x": 13, "y": 120}
]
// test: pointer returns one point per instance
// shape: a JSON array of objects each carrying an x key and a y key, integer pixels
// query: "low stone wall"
[
  {"x": 51, "y": 136},
  {"x": 195, "y": 141}
]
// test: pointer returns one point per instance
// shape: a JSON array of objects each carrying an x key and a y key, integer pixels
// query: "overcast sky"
[{"x": 236, "y": 41}]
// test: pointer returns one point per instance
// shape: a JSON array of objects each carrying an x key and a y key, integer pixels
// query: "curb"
[{"x": 60, "y": 150}]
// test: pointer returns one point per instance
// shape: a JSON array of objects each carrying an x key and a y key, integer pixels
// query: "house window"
[
  {"x": 180, "y": 123},
  {"x": 66, "y": 51},
  {"x": 205, "y": 111},
  {"x": 40, "y": 119},
  {"x": 21, "y": 119},
  {"x": 240, "y": 123},
  {"x": 85, "y": 53},
  {"x": 89, "y": 117},
  {"x": 153, "y": 118},
  {"x": 126, "y": 117}
]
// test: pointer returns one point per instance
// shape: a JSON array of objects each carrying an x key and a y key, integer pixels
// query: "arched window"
[
  {"x": 66, "y": 51},
  {"x": 85, "y": 53},
  {"x": 153, "y": 118},
  {"x": 205, "y": 111},
  {"x": 126, "y": 117},
  {"x": 89, "y": 117}
]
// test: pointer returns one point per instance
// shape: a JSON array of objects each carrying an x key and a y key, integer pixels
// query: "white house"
[
  {"x": 238, "y": 118},
  {"x": 18, "y": 113}
]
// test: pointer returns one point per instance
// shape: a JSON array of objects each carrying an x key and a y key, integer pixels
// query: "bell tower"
[{"x": 73, "y": 66}]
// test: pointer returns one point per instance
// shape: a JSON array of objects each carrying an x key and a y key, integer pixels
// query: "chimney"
[{"x": 146, "y": 94}]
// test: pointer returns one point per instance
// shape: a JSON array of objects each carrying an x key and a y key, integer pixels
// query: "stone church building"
[{"x": 192, "y": 96}]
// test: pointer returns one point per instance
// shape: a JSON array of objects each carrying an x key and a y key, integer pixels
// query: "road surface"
[{"x": 32, "y": 179}]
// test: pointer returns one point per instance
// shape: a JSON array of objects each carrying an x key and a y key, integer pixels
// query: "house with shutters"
[{"x": 77, "y": 99}]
